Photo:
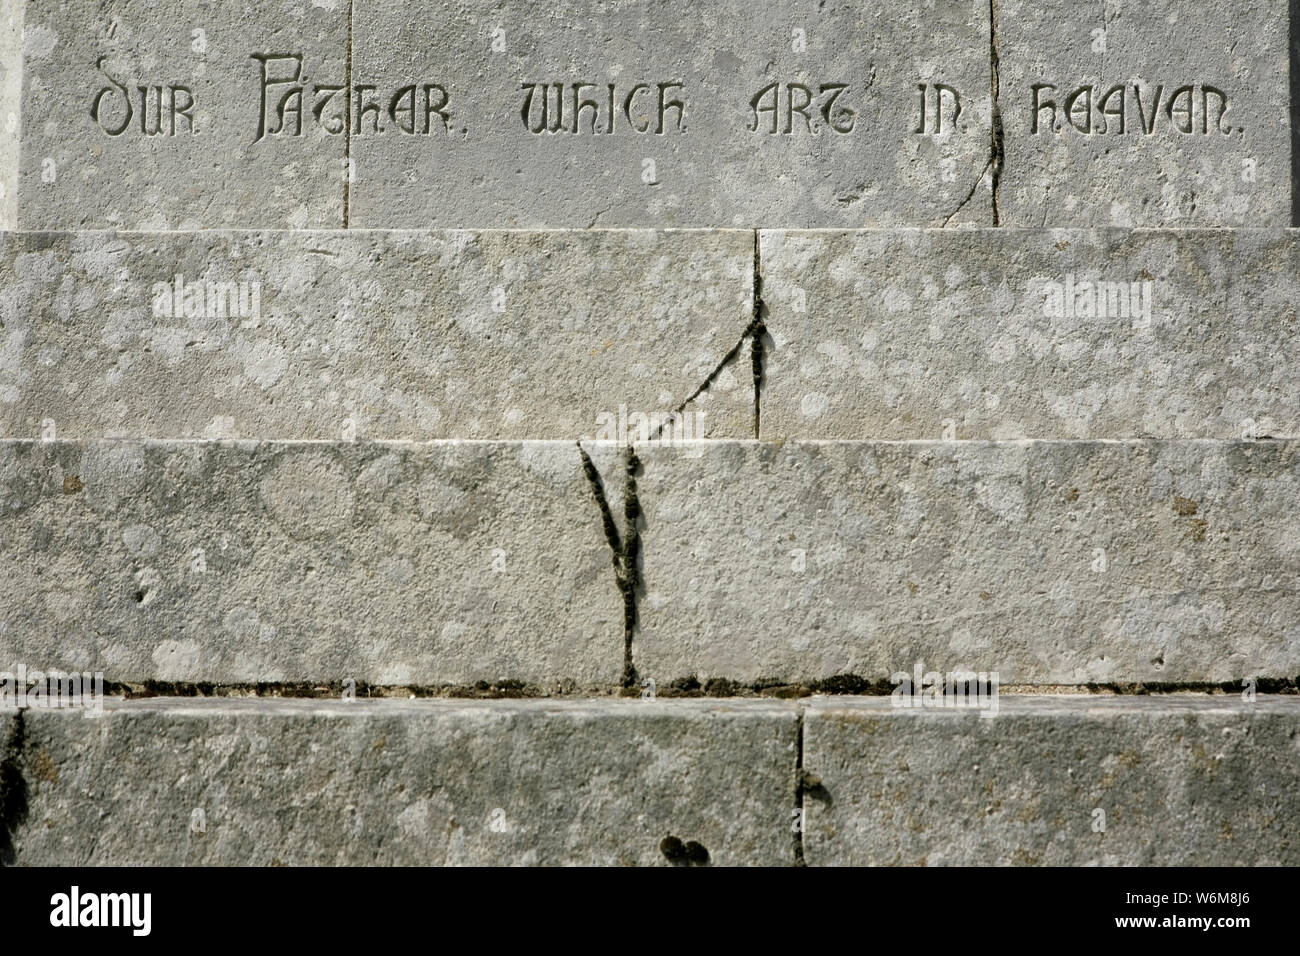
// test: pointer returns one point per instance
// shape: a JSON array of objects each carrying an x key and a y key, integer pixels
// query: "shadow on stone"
[{"x": 13, "y": 789}]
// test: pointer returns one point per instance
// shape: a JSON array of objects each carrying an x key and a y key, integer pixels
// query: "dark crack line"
[
  {"x": 13, "y": 789},
  {"x": 969, "y": 195},
  {"x": 758, "y": 332},
  {"x": 783, "y": 688},
  {"x": 1293, "y": 10},
  {"x": 630, "y": 583},
  {"x": 625, "y": 549},
  {"x": 347, "y": 132},
  {"x": 997, "y": 155},
  {"x": 754, "y": 333},
  {"x": 606, "y": 513}
]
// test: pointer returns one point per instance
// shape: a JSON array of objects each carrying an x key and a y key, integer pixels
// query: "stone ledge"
[
  {"x": 1155, "y": 781},
  {"x": 1181, "y": 779},
  {"x": 227, "y": 782}
]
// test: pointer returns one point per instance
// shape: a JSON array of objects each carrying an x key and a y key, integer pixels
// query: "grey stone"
[
  {"x": 1177, "y": 156},
  {"x": 388, "y": 335},
  {"x": 973, "y": 334},
  {"x": 1048, "y": 562},
  {"x": 259, "y": 782},
  {"x": 146, "y": 115},
  {"x": 1174, "y": 781},
  {"x": 235, "y": 562},
  {"x": 719, "y": 164},
  {"x": 11, "y": 83}
]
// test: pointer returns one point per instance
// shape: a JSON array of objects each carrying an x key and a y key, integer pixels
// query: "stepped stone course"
[
  {"x": 1032, "y": 333},
  {"x": 303, "y": 561},
  {"x": 260, "y": 782},
  {"x": 418, "y": 783},
  {"x": 1048, "y": 562},
  {"x": 563, "y": 401},
  {"x": 359, "y": 334},
  {"x": 1178, "y": 781}
]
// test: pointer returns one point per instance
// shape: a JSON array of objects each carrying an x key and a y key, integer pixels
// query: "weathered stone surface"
[
  {"x": 991, "y": 334},
  {"x": 151, "y": 115},
  {"x": 1179, "y": 781},
  {"x": 1163, "y": 150},
  {"x": 329, "y": 335},
  {"x": 11, "y": 82},
  {"x": 254, "y": 782},
  {"x": 716, "y": 160},
  {"x": 388, "y": 563},
  {"x": 1049, "y": 562}
]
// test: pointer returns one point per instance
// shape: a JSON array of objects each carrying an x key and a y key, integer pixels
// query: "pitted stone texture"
[
  {"x": 11, "y": 84},
  {"x": 484, "y": 168},
  {"x": 973, "y": 334},
  {"x": 388, "y": 335},
  {"x": 79, "y": 171},
  {"x": 1181, "y": 781},
  {"x": 1049, "y": 562},
  {"x": 1196, "y": 166},
  {"x": 418, "y": 783},
  {"x": 240, "y": 562}
]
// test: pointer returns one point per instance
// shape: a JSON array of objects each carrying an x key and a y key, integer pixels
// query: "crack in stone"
[
  {"x": 993, "y": 165},
  {"x": 1293, "y": 11},
  {"x": 687, "y": 687},
  {"x": 974, "y": 186},
  {"x": 997, "y": 154},
  {"x": 347, "y": 118},
  {"x": 13, "y": 789},
  {"x": 757, "y": 331},
  {"x": 625, "y": 549},
  {"x": 754, "y": 333}
]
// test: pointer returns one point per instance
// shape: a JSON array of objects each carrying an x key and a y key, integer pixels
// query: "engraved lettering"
[
  {"x": 1183, "y": 125},
  {"x": 364, "y": 108},
  {"x": 671, "y": 104},
  {"x": 333, "y": 124},
  {"x": 576, "y": 108},
  {"x": 1040, "y": 105},
  {"x": 158, "y": 107},
  {"x": 97, "y": 107},
  {"x": 839, "y": 118},
  {"x": 1108, "y": 112},
  {"x": 411, "y": 107},
  {"x": 942, "y": 93},
  {"x": 773, "y": 109},
  {"x": 1206, "y": 92},
  {"x": 1091, "y": 112},
  {"x": 284, "y": 105}
]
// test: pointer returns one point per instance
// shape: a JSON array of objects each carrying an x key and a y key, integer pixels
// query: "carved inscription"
[
  {"x": 1192, "y": 109},
  {"x": 775, "y": 106},
  {"x": 940, "y": 108},
  {"x": 657, "y": 108},
  {"x": 290, "y": 104},
  {"x": 150, "y": 110},
  {"x": 285, "y": 94}
]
